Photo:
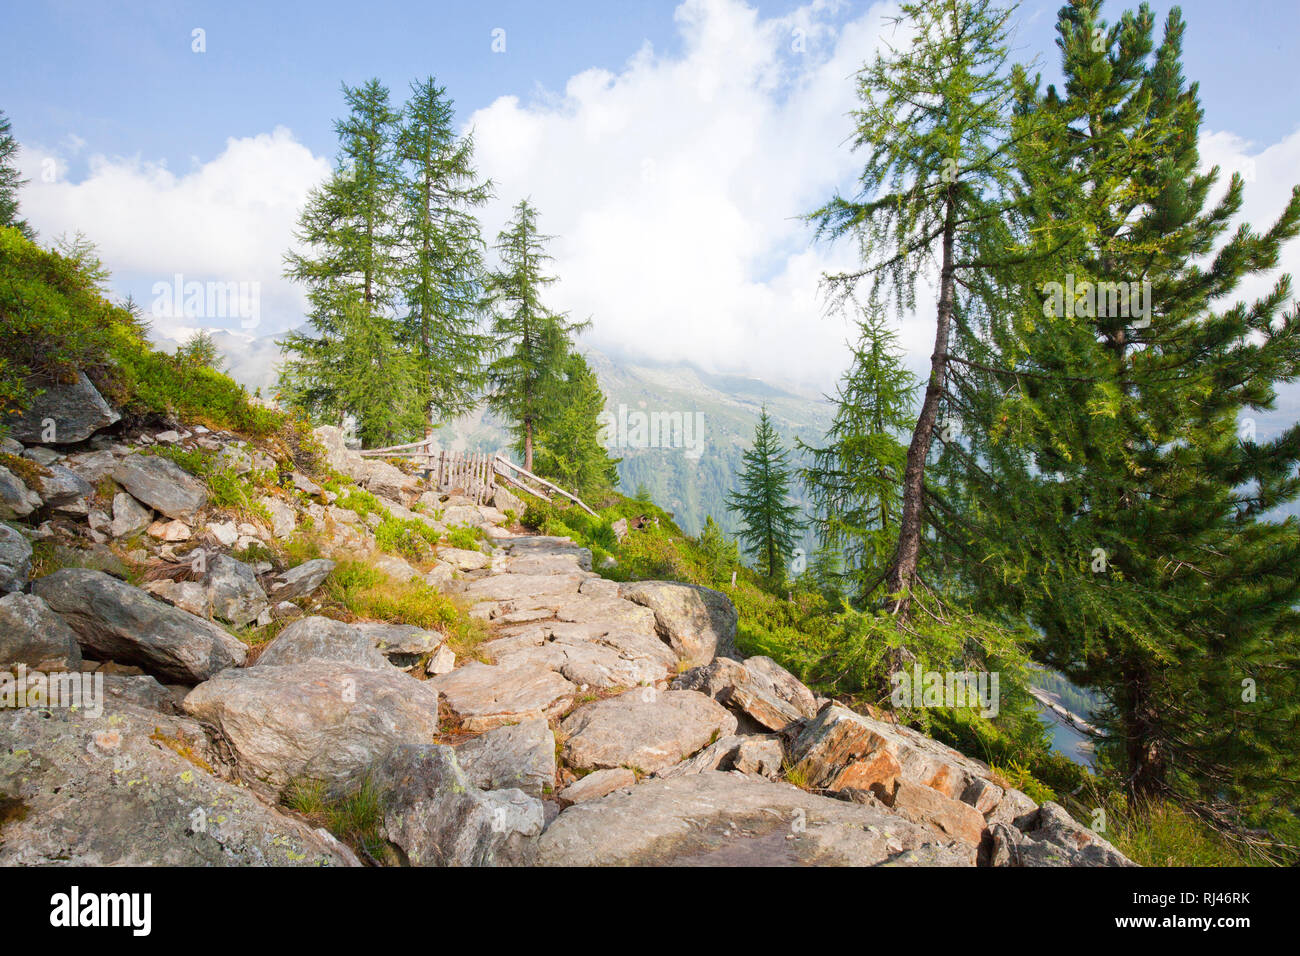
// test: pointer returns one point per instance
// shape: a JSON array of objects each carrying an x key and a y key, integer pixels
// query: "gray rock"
[
  {"x": 189, "y": 596},
  {"x": 729, "y": 819},
  {"x": 395, "y": 567},
  {"x": 76, "y": 410},
  {"x": 643, "y": 729},
  {"x": 110, "y": 791},
  {"x": 61, "y": 487},
  {"x": 15, "y": 560},
  {"x": 319, "y": 720},
  {"x": 699, "y": 623},
  {"x": 437, "y": 818},
  {"x": 464, "y": 560},
  {"x": 32, "y": 634},
  {"x": 785, "y": 685},
  {"x": 129, "y": 516},
  {"x": 746, "y": 691},
  {"x": 114, "y": 621},
  {"x": 322, "y": 639},
  {"x": 1052, "y": 838},
  {"x": 142, "y": 691},
  {"x": 162, "y": 485},
  {"x": 442, "y": 661},
  {"x": 402, "y": 644},
  {"x": 596, "y": 785},
  {"x": 283, "y": 518},
  {"x": 233, "y": 591},
  {"x": 16, "y": 499},
  {"x": 517, "y": 756},
  {"x": 483, "y": 696},
  {"x": 300, "y": 581}
]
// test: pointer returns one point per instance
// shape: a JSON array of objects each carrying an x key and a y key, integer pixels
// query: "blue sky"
[{"x": 680, "y": 139}]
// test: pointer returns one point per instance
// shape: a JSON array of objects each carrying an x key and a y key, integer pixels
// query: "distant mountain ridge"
[{"x": 688, "y": 465}]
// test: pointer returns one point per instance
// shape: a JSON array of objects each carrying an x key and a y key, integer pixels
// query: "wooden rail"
[{"x": 472, "y": 474}]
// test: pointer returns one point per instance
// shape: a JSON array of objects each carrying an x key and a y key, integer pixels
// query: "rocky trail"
[{"x": 599, "y": 723}]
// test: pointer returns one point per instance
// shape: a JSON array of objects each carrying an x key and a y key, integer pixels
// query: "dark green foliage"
[
  {"x": 10, "y": 181},
  {"x": 569, "y": 450},
  {"x": 770, "y": 525},
  {"x": 856, "y": 480}
]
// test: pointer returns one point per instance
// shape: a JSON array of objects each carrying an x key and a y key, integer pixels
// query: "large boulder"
[
  {"x": 162, "y": 485},
  {"x": 133, "y": 788},
  {"x": 928, "y": 807},
  {"x": 403, "y": 644},
  {"x": 129, "y": 516},
  {"x": 32, "y": 634},
  {"x": 643, "y": 729},
  {"x": 752, "y": 693},
  {"x": 15, "y": 559},
  {"x": 117, "y": 622},
  {"x": 62, "y": 413},
  {"x": 723, "y": 819},
  {"x": 319, "y": 720},
  {"x": 64, "y": 490},
  {"x": 517, "y": 756},
  {"x": 436, "y": 817},
  {"x": 233, "y": 591},
  {"x": 699, "y": 623},
  {"x": 322, "y": 639}
]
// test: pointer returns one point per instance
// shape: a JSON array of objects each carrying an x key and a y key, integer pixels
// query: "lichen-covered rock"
[
  {"x": 483, "y": 696},
  {"x": 129, "y": 516},
  {"x": 301, "y": 580},
  {"x": 130, "y": 788},
  {"x": 1052, "y": 838},
  {"x": 322, "y": 639},
  {"x": 233, "y": 591},
  {"x": 596, "y": 785},
  {"x": 319, "y": 720},
  {"x": 16, "y": 499},
  {"x": 118, "y": 622}
]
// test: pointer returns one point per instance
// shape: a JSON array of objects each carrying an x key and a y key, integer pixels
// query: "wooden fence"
[{"x": 472, "y": 474}]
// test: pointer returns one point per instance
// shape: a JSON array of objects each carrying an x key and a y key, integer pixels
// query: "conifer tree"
[
  {"x": 442, "y": 271},
  {"x": 936, "y": 123},
  {"x": 10, "y": 180},
  {"x": 1112, "y": 493},
  {"x": 350, "y": 266},
  {"x": 532, "y": 342},
  {"x": 770, "y": 524},
  {"x": 568, "y": 448},
  {"x": 855, "y": 481}
]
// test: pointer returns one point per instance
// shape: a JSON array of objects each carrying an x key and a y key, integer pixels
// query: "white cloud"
[{"x": 225, "y": 221}]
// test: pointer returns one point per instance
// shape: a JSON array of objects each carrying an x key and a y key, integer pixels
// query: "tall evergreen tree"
[
  {"x": 855, "y": 481},
  {"x": 568, "y": 448},
  {"x": 1109, "y": 494},
  {"x": 532, "y": 342},
  {"x": 350, "y": 265},
  {"x": 770, "y": 524},
  {"x": 936, "y": 124},
  {"x": 10, "y": 180},
  {"x": 442, "y": 271}
]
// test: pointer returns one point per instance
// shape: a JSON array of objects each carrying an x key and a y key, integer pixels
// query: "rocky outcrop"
[
  {"x": 233, "y": 591},
  {"x": 322, "y": 639},
  {"x": 61, "y": 413},
  {"x": 133, "y": 788},
  {"x": 115, "y": 621},
  {"x": 1051, "y": 837},
  {"x": 483, "y": 696},
  {"x": 517, "y": 756},
  {"x": 642, "y": 730},
  {"x": 320, "y": 720},
  {"x": 16, "y": 499},
  {"x": 301, "y": 580},
  {"x": 698, "y": 623},
  {"x": 15, "y": 560}
]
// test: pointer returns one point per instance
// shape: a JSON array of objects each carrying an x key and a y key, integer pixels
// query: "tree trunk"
[
  {"x": 528, "y": 445},
  {"x": 1146, "y": 761},
  {"x": 903, "y": 572}
]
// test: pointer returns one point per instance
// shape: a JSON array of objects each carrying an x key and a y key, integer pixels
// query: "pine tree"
[
  {"x": 855, "y": 481},
  {"x": 532, "y": 342},
  {"x": 356, "y": 362},
  {"x": 443, "y": 270},
  {"x": 568, "y": 448},
  {"x": 721, "y": 556},
  {"x": 202, "y": 351},
  {"x": 936, "y": 123},
  {"x": 1111, "y": 494},
  {"x": 10, "y": 181},
  {"x": 770, "y": 524}
]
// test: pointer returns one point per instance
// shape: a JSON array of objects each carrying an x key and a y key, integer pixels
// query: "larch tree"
[
  {"x": 442, "y": 271},
  {"x": 770, "y": 524},
  {"x": 568, "y": 446},
  {"x": 10, "y": 180}
]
